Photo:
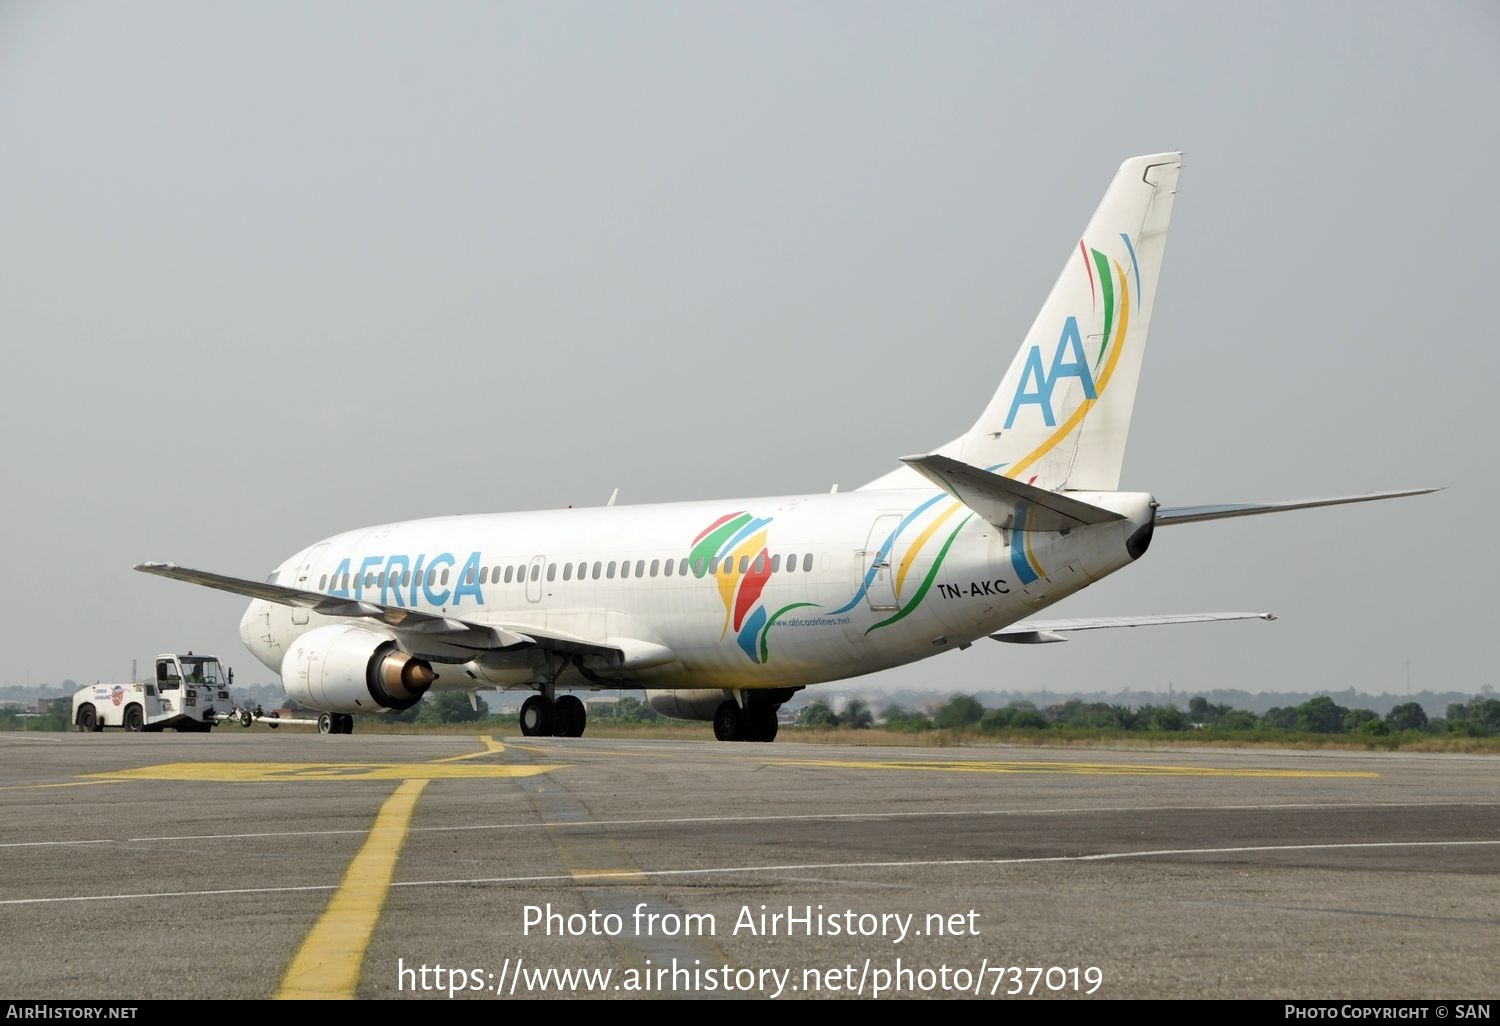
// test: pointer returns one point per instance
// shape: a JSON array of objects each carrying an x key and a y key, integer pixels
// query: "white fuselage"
[{"x": 745, "y": 594}]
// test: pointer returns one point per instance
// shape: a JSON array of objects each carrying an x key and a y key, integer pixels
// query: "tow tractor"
[{"x": 190, "y": 693}]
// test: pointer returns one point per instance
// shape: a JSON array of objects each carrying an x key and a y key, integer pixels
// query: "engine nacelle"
[
  {"x": 349, "y": 669},
  {"x": 688, "y": 703}
]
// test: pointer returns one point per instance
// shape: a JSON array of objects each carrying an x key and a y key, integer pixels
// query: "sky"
[{"x": 273, "y": 270}]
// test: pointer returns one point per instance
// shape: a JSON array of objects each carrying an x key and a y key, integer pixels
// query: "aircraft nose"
[{"x": 255, "y": 633}]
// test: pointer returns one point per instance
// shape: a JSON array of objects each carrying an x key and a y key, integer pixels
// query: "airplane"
[{"x": 722, "y": 610}]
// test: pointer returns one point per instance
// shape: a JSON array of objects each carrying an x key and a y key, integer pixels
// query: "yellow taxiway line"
[{"x": 332, "y": 954}]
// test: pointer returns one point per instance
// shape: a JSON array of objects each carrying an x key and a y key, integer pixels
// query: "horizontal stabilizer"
[
  {"x": 1040, "y": 632},
  {"x": 1194, "y": 514},
  {"x": 997, "y": 498}
]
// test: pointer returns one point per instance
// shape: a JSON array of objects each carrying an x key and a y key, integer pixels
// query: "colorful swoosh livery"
[
  {"x": 1110, "y": 286},
  {"x": 1022, "y": 560},
  {"x": 932, "y": 525},
  {"x": 733, "y": 551},
  {"x": 1114, "y": 289}
]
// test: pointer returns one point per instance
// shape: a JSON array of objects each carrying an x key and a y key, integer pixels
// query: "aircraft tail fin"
[{"x": 1062, "y": 413}]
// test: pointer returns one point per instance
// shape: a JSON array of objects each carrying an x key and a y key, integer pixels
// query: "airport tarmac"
[{"x": 256, "y": 864}]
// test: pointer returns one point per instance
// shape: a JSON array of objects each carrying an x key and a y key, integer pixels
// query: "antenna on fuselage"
[{"x": 612, "y": 497}]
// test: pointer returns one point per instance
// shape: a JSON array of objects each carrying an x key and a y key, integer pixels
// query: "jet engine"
[
  {"x": 688, "y": 703},
  {"x": 349, "y": 669}
]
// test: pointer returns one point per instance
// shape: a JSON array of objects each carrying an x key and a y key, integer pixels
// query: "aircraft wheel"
[
  {"x": 325, "y": 723},
  {"x": 344, "y": 724},
  {"x": 729, "y": 722},
  {"x": 763, "y": 724},
  {"x": 135, "y": 720},
  {"x": 537, "y": 717},
  {"x": 88, "y": 720},
  {"x": 571, "y": 717}
]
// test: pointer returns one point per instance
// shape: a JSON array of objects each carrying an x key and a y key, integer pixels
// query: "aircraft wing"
[
  {"x": 444, "y": 629},
  {"x": 1040, "y": 632},
  {"x": 1194, "y": 514}
]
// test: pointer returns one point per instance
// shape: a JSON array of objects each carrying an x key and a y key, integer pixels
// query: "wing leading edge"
[{"x": 446, "y": 629}]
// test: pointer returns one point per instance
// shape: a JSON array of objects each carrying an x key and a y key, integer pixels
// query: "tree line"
[{"x": 1319, "y": 715}]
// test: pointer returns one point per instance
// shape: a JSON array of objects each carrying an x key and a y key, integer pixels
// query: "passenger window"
[
  {"x": 445, "y": 576},
  {"x": 468, "y": 576},
  {"x": 610, "y": 570},
  {"x": 713, "y": 566},
  {"x": 807, "y": 563},
  {"x": 406, "y": 577},
  {"x": 431, "y": 578},
  {"x": 698, "y": 566},
  {"x": 508, "y": 575},
  {"x": 323, "y": 583},
  {"x": 551, "y": 571},
  {"x": 640, "y": 568},
  {"x": 791, "y": 563},
  {"x": 583, "y": 570},
  {"x": 484, "y": 575},
  {"x": 667, "y": 567},
  {"x": 744, "y": 564},
  {"x": 655, "y": 566},
  {"x": 567, "y": 571},
  {"x": 624, "y": 568},
  {"x": 598, "y": 566},
  {"x": 682, "y": 568},
  {"x": 536, "y": 572},
  {"x": 380, "y": 578},
  {"x": 776, "y": 563},
  {"x": 760, "y": 563},
  {"x": 370, "y": 579}
]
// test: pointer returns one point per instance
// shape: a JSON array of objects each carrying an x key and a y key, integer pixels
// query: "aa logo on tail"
[{"x": 1037, "y": 384}]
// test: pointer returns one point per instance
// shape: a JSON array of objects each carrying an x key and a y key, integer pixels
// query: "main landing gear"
[
  {"x": 564, "y": 717},
  {"x": 755, "y": 723},
  {"x": 334, "y": 723}
]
